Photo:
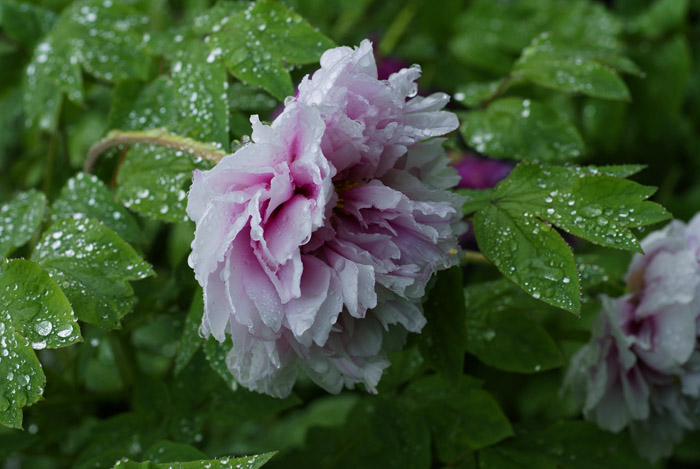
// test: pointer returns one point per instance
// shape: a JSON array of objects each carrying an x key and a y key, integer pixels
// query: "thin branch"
[{"x": 159, "y": 137}]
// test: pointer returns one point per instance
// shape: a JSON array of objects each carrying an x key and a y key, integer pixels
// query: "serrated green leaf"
[
  {"x": 460, "y": 416},
  {"x": 103, "y": 37},
  {"x": 137, "y": 107},
  {"x": 530, "y": 253},
  {"x": 86, "y": 196},
  {"x": 443, "y": 338},
  {"x": 257, "y": 44},
  {"x": 490, "y": 34},
  {"x": 19, "y": 220},
  {"x": 93, "y": 266},
  {"x": 34, "y": 314},
  {"x": 522, "y": 129},
  {"x": 190, "y": 341},
  {"x": 200, "y": 94},
  {"x": 550, "y": 62},
  {"x": 510, "y": 341},
  {"x": 476, "y": 199},
  {"x": 245, "y": 462},
  {"x": 515, "y": 230},
  {"x": 591, "y": 204},
  {"x": 154, "y": 181}
]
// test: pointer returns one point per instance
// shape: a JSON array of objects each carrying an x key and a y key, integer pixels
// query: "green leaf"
[
  {"x": 137, "y": 107},
  {"x": 460, "y": 416},
  {"x": 442, "y": 341},
  {"x": 190, "y": 340},
  {"x": 24, "y": 22},
  {"x": 511, "y": 341},
  {"x": 530, "y": 253},
  {"x": 550, "y": 62},
  {"x": 200, "y": 94},
  {"x": 241, "y": 405},
  {"x": 245, "y": 462},
  {"x": 476, "y": 199},
  {"x": 515, "y": 231},
  {"x": 86, "y": 196},
  {"x": 572, "y": 444},
  {"x": 34, "y": 314},
  {"x": 378, "y": 433},
  {"x": 154, "y": 181},
  {"x": 246, "y": 98},
  {"x": 216, "y": 352},
  {"x": 477, "y": 93},
  {"x": 19, "y": 220},
  {"x": 93, "y": 266},
  {"x": 522, "y": 129},
  {"x": 104, "y": 37},
  {"x": 257, "y": 44},
  {"x": 167, "y": 451}
]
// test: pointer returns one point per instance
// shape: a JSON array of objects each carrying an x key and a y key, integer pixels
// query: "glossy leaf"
[
  {"x": 34, "y": 314},
  {"x": 515, "y": 230},
  {"x": 245, "y": 462},
  {"x": 93, "y": 266},
  {"x": 86, "y": 196},
  {"x": 552, "y": 63},
  {"x": 257, "y": 43}
]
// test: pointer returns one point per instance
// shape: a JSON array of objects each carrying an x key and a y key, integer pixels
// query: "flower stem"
[
  {"x": 475, "y": 257},
  {"x": 159, "y": 137}
]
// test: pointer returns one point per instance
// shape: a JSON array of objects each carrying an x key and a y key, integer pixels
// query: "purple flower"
[
  {"x": 314, "y": 243},
  {"x": 641, "y": 369}
]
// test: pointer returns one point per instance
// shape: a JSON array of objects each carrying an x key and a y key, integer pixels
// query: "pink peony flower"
[
  {"x": 641, "y": 369},
  {"x": 314, "y": 243}
]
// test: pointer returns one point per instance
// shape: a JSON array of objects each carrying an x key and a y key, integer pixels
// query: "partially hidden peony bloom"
[
  {"x": 314, "y": 243},
  {"x": 480, "y": 173},
  {"x": 641, "y": 369}
]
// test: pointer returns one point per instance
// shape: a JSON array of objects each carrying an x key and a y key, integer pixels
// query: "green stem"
[
  {"x": 159, "y": 137},
  {"x": 475, "y": 257}
]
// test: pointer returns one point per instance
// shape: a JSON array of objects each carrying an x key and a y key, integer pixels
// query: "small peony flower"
[
  {"x": 641, "y": 369},
  {"x": 314, "y": 243}
]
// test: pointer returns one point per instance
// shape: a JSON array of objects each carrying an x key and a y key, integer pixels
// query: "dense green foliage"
[{"x": 101, "y": 362}]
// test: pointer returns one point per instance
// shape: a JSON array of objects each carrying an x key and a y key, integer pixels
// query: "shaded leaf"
[
  {"x": 443, "y": 338},
  {"x": 19, "y": 220},
  {"x": 522, "y": 129},
  {"x": 460, "y": 416}
]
